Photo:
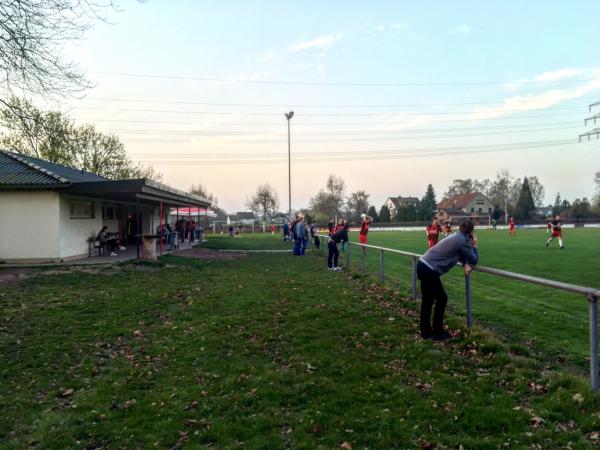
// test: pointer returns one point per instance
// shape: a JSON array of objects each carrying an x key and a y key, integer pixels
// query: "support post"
[
  {"x": 593, "y": 309},
  {"x": 160, "y": 228},
  {"x": 137, "y": 227},
  {"x": 362, "y": 259},
  {"x": 348, "y": 256},
  {"x": 414, "y": 278},
  {"x": 468, "y": 298},
  {"x": 381, "y": 267}
]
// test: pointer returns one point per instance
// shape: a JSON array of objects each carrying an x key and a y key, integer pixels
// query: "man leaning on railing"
[{"x": 458, "y": 247}]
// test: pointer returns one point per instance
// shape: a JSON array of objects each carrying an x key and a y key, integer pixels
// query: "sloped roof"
[
  {"x": 245, "y": 216},
  {"x": 21, "y": 171},
  {"x": 458, "y": 201},
  {"x": 399, "y": 201}
]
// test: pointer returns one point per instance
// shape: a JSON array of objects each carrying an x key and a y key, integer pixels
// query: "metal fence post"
[
  {"x": 414, "y": 278},
  {"x": 348, "y": 256},
  {"x": 381, "y": 268},
  {"x": 468, "y": 295},
  {"x": 362, "y": 258},
  {"x": 593, "y": 308}
]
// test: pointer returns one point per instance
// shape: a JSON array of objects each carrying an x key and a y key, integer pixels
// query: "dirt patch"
[
  {"x": 16, "y": 275},
  {"x": 207, "y": 253},
  {"x": 11, "y": 276}
]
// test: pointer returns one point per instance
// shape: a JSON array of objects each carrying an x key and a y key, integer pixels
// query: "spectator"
[
  {"x": 299, "y": 237},
  {"x": 286, "y": 231},
  {"x": 458, "y": 247},
  {"x": 334, "y": 254},
  {"x": 107, "y": 242}
]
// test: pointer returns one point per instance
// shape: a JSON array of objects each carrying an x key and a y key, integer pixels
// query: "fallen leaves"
[
  {"x": 537, "y": 422},
  {"x": 67, "y": 392},
  {"x": 346, "y": 445}
]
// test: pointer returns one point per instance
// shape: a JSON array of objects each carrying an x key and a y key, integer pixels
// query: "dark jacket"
[
  {"x": 455, "y": 248},
  {"x": 340, "y": 236}
]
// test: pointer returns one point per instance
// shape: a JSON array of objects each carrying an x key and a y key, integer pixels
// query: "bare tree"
[
  {"x": 264, "y": 202},
  {"x": 336, "y": 188},
  {"x": 358, "y": 203},
  {"x": 537, "y": 190},
  {"x": 53, "y": 136},
  {"x": 33, "y": 34},
  {"x": 201, "y": 191}
]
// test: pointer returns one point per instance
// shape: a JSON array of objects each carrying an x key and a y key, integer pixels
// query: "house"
[
  {"x": 473, "y": 204},
  {"x": 245, "y": 218},
  {"x": 395, "y": 203},
  {"x": 48, "y": 212}
]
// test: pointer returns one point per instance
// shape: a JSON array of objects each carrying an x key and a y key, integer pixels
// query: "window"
[
  {"x": 479, "y": 210},
  {"x": 472, "y": 209},
  {"x": 490, "y": 210},
  {"x": 480, "y": 202},
  {"x": 108, "y": 212},
  {"x": 82, "y": 210}
]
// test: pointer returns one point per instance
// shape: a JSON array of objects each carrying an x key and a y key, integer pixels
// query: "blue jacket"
[{"x": 300, "y": 230}]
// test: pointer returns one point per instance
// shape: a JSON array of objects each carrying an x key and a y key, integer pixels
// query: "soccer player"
[
  {"x": 512, "y": 227},
  {"x": 460, "y": 246},
  {"x": 365, "y": 221},
  {"x": 556, "y": 232},
  {"x": 433, "y": 232},
  {"x": 447, "y": 228},
  {"x": 549, "y": 227}
]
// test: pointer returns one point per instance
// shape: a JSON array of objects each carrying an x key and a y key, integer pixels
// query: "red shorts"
[
  {"x": 362, "y": 238},
  {"x": 557, "y": 233}
]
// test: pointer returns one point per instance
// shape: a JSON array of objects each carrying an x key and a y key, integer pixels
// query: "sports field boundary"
[{"x": 591, "y": 294}]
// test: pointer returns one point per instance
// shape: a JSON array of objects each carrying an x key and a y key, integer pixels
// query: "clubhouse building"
[{"x": 49, "y": 212}]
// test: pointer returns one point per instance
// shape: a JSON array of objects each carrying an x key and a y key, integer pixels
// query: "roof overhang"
[{"x": 139, "y": 190}]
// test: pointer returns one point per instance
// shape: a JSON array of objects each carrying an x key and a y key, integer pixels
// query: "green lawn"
[
  {"x": 264, "y": 351},
  {"x": 547, "y": 320}
]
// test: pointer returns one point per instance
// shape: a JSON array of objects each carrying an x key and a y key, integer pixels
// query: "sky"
[{"x": 390, "y": 96}]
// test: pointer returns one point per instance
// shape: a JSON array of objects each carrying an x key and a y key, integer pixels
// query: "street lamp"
[{"x": 289, "y": 116}]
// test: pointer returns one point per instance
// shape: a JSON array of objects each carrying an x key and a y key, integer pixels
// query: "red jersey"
[
  {"x": 433, "y": 232},
  {"x": 447, "y": 228},
  {"x": 556, "y": 228},
  {"x": 511, "y": 224},
  {"x": 364, "y": 228}
]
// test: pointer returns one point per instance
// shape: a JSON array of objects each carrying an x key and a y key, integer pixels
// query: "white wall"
[
  {"x": 29, "y": 225},
  {"x": 74, "y": 233}
]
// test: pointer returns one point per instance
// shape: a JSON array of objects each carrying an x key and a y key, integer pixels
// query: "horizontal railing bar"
[{"x": 502, "y": 273}]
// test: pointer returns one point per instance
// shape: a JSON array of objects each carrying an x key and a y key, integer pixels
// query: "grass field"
[
  {"x": 262, "y": 351},
  {"x": 551, "y": 322}
]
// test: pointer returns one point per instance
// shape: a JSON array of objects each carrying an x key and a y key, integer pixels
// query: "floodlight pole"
[{"x": 289, "y": 116}]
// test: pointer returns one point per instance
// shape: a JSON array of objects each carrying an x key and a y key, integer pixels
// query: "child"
[{"x": 433, "y": 233}]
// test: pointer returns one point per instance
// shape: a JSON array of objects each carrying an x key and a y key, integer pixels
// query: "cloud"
[
  {"x": 400, "y": 26},
  {"x": 320, "y": 42},
  {"x": 548, "y": 76},
  {"x": 269, "y": 56},
  {"x": 462, "y": 30},
  {"x": 319, "y": 68},
  {"x": 543, "y": 100},
  {"x": 557, "y": 75},
  {"x": 380, "y": 28}
]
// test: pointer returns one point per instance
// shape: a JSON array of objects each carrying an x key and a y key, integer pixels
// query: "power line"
[
  {"x": 545, "y": 125},
  {"x": 253, "y": 113},
  {"x": 349, "y": 156},
  {"x": 264, "y": 105},
  {"x": 521, "y": 144},
  {"x": 326, "y": 83},
  {"x": 535, "y": 116}
]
